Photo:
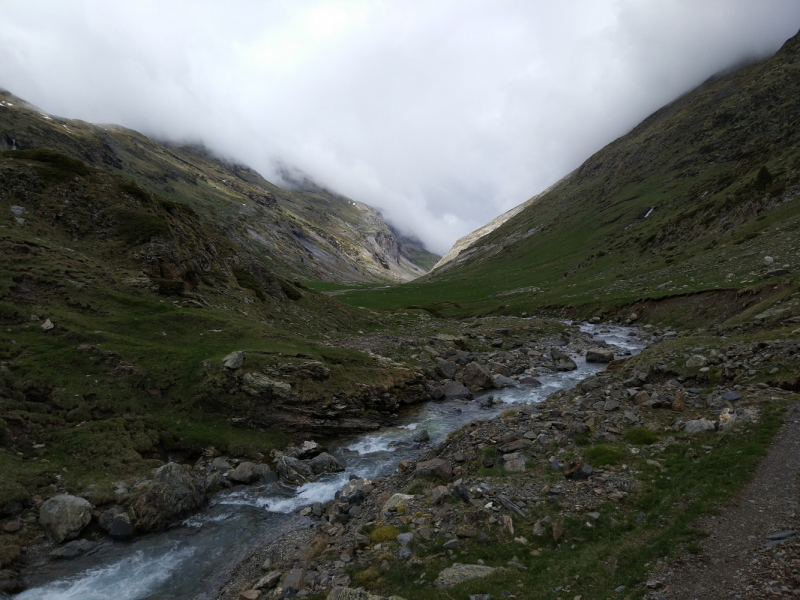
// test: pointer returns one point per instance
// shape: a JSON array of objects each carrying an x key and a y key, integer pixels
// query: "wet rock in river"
[
  {"x": 173, "y": 493},
  {"x": 599, "y": 355},
  {"x": 293, "y": 471},
  {"x": 248, "y": 472},
  {"x": 325, "y": 463}
]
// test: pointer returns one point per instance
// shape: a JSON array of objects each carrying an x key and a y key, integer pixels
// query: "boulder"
[
  {"x": 514, "y": 462},
  {"x": 315, "y": 369},
  {"x": 308, "y": 449},
  {"x": 698, "y": 425},
  {"x": 478, "y": 376},
  {"x": 234, "y": 360},
  {"x": 501, "y": 381},
  {"x": 422, "y": 436},
  {"x": 565, "y": 364},
  {"x": 293, "y": 471},
  {"x": 325, "y": 463},
  {"x": 256, "y": 384},
  {"x": 456, "y": 389},
  {"x": 696, "y": 361},
  {"x": 439, "y": 494},
  {"x": 398, "y": 502},
  {"x": 599, "y": 355},
  {"x": 248, "y": 472},
  {"x": 173, "y": 493},
  {"x": 64, "y": 516},
  {"x": 459, "y": 573},
  {"x": 354, "y": 491},
  {"x": 435, "y": 467},
  {"x": 446, "y": 368},
  {"x": 117, "y": 523}
]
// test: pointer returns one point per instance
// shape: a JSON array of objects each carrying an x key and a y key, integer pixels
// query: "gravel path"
[{"x": 735, "y": 563}]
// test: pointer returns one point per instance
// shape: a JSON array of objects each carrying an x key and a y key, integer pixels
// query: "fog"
[{"x": 441, "y": 114}]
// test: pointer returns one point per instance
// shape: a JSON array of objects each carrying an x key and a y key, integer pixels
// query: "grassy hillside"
[
  {"x": 116, "y": 309},
  {"x": 305, "y": 231},
  {"x": 692, "y": 201}
]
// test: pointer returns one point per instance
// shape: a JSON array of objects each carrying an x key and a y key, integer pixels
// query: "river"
[{"x": 193, "y": 558}]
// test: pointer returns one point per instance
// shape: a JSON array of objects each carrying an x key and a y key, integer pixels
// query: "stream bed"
[{"x": 193, "y": 558}]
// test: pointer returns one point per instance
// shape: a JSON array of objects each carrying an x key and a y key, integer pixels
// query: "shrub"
[
  {"x": 291, "y": 292},
  {"x": 246, "y": 280},
  {"x": 134, "y": 191},
  {"x": 139, "y": 227},
  {"x": 641, "y": 436},
  {"x": 603, "y": 454},
  {"x": 59, "y": 166},
  {"x": 763, "y": 179},
  {"x": 387, "y": 533},
  {"x": 368, "y": 577},
  {"x": 170, "y": 287}
]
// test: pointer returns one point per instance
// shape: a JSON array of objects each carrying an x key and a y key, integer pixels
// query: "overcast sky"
[{"x": 442, "y": 113}]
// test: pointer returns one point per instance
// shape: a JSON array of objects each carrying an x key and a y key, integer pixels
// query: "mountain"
[
  {"x": 305, "y": 231},
  {"x": 699, "y": 200}
]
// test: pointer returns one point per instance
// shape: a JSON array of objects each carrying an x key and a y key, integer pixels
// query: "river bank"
[{"x": 365, "y": 456}]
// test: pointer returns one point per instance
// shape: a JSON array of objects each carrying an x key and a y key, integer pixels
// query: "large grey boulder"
[
  {"x": 435, "y": 467},
  {"x": 293, "y": 471},
  {"x": 446, "y": 368},
  {"x": 325, "y": 463},
  {"x": 696, "y": 361},
  {"x": 699, "y": 425},
  {"x": 64, "y": 516},
  {"x": 599, "y": 355},
  {"x": 248, "y": 472},
  {"x": 478, "y": 376},
  {"x": 234, "y": 360},
  {"x": 456, "y": 389},
  {"x": 174, "y": 492}
]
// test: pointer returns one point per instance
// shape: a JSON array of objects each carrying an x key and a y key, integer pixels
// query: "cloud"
[{"x": 442, "y": 114}]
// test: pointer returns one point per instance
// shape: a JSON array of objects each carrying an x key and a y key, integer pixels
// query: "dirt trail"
[{"x": 734, "y": 562}]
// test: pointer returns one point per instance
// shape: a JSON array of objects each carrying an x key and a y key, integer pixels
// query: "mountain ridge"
[{"x": 308, "y": 232}]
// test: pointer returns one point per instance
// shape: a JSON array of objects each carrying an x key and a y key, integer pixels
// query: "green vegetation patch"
[
  {"x": 603, "y": 454},
  {"x": 139, "y": 227},
  {"x": 246, "y": 280},
  {"x": 59, "y": 167}
]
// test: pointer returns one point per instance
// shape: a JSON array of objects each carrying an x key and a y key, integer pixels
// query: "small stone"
[
  {"x": 404, "y": 539},
  {"x": 47, "y": 325},
  {"x": 450, "y": 544}
]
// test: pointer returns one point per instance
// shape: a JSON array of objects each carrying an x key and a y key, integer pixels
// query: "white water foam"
[
  {"x": 133, "y": 577},
  {"x": 201, "y": 519},
  {"x": 371, "y": 445}
]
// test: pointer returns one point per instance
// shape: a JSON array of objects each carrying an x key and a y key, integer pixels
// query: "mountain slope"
[
  {"x": 701, "y": 196},
  {"x": 306, "y": 232}
]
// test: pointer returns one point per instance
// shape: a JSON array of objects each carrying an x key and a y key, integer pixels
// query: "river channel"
[{"x": 193, "y": 558}]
